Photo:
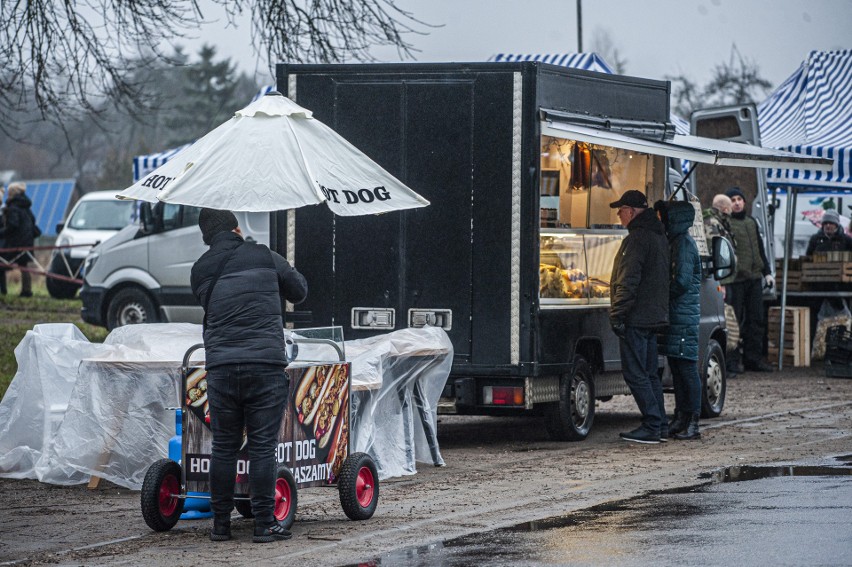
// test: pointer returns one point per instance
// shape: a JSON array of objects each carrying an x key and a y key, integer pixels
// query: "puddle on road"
[
  {"x": 500, "y": 546},
  {"x": 750, "y": 472}
]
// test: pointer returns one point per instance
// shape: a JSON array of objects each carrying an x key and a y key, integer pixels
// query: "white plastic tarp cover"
[
  {"x": 396, "y": 423},
  {"x": 76, "y": 408}
]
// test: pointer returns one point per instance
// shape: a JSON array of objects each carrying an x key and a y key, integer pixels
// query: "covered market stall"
[{"x": 811, "y": 113}]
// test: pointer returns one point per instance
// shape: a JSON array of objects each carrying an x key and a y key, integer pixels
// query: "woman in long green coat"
[{"x": 680, "y": 340}]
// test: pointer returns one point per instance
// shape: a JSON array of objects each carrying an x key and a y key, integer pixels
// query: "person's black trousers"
[{"x": 746, "y": 297}]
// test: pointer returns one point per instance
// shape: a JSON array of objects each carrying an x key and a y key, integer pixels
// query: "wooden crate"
[
  {"x": 796, "y": 338},
  {"x": 794, "y": 274},
  {"x": 794, "y": 281},
  {"x": 827, "y": 272}
]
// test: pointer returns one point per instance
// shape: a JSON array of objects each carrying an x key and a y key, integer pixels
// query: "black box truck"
[{"x": 513, "y": 256}]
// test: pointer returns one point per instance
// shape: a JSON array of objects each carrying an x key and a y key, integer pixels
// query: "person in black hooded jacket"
[
  {"x": 639, "y": 296},
  {"x": 241, "y": 284},
  {"x": 20, "y": 231},
  {"x": 679, "y": 342}
]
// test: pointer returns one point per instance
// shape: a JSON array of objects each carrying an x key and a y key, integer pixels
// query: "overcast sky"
[{"x": 655, "y": 37}]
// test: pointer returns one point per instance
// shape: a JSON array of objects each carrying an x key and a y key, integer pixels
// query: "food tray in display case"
[{"x": 575, "y": 266}]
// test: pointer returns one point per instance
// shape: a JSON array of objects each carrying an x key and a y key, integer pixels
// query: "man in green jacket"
[{"x": 745, "y": 293}]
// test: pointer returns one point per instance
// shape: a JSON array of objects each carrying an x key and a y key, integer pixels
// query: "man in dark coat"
[
  {"x": 679, "y": 342},
  {"x": 639, "y": 289},
  {"x": 20, "y": 231},
  {"x": 745, "y": 292},
  {"x": 830, "y": 237},
  {"x": 241, "y": 284}
]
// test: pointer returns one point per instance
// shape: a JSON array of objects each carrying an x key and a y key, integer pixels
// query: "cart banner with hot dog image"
[{"x": 313, "y": 440}]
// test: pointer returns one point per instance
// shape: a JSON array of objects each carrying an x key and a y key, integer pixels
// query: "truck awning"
[{"x": 692, "y": 148}]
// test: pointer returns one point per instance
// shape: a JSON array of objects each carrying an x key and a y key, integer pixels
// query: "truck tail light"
[{"x": 503, "y": 395}]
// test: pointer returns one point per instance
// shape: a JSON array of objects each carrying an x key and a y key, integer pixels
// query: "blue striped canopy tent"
[
  {"x": 587, "y": 61},
  {"x": 50, "y": 199},
  {"x": 811, "y": 113},
  {"x": 143, "y": 165}
]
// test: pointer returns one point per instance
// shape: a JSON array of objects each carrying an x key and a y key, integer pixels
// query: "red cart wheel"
[
  {"x": 285, "y": 497},
  {"x": 359, "y": 486},
  {"x": 161, "y": 501}
]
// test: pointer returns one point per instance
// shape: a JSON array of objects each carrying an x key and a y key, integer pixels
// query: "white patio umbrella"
[{"x": 273, "y": 155}]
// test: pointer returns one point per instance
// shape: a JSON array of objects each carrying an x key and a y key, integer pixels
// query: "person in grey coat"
[{"x": 679, "y": 342}]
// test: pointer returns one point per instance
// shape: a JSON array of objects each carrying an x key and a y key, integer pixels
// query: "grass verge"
[{"x": 21, "y": 314}]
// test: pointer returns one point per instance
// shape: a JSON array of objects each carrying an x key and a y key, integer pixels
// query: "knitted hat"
[
  {"x": 831, "y": 216},
  {"x": 632, "y": 198},
  {"x": 212, "y": 222},
  {"x": 735, "y": 192}
]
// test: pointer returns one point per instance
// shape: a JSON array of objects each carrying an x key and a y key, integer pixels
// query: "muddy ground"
[{"x": 500, "y": 471}]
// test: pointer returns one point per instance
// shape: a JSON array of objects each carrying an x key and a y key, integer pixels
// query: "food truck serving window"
[
  {"x": 579, "y": 180},
  {"x": 580, "y": 234}
]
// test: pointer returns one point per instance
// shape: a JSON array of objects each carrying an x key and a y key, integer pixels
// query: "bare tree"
[
  {"x": 737, "y": 81},
  {"x": 603, "y": 45},
  {"x": 72, "y": 56}
]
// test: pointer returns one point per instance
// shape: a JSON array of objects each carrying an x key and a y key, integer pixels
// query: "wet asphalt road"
[{"x": 780, "y": 520}]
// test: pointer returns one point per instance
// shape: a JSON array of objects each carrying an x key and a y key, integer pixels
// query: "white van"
[
  {"x": 95, "y": 217},
  {"x": 141, "y": 275}
]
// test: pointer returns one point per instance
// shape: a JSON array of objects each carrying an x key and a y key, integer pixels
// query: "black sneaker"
[
  {"x": 275, "y": 532},
  {"x": 641, "y": 435},
  {"x": 220, "y": 532},
  {"x": 664, "y": 434}
]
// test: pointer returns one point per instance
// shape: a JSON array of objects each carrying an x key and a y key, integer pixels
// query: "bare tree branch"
[
  {"x": 736, "y": 82},
  {"x": 69, "y": 57}
]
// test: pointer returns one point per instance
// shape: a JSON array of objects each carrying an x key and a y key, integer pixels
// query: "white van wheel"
[{"x": 130, "y": 306}]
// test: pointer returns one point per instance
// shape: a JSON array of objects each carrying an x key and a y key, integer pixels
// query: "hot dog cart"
[{"x": 313, "y": 446}]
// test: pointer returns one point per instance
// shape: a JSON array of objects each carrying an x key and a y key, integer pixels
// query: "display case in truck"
[{"x": 513, "y": 256}]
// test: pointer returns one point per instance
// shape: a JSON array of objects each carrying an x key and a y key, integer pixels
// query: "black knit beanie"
[
  {"x": 735, "y": 191},
  {"x": 212, "y": 222}
]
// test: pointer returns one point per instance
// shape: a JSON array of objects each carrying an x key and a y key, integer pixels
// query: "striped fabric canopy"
[
  {"x": 587, "y": 61},
  {"x": 143, "y": 165},
  {"x": 811, "y": 113}
]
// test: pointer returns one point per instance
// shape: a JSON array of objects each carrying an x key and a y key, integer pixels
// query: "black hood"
[{"x": 20, "y": 200}]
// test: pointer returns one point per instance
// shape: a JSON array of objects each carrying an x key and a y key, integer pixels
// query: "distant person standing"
[
  {"x": 830, "y": 237},
  {"x": 717, "y": 219},
  {"x": 20, "y": 231},
  {"x": 745, "y": 292},
  {"x": 679, "y": 342},
  {"x": 639, "y": 289}
]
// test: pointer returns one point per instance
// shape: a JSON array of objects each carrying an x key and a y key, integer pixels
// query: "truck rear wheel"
[
  {"x": 713, "y": 381},
  {"x": 570, "y": 419}
]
